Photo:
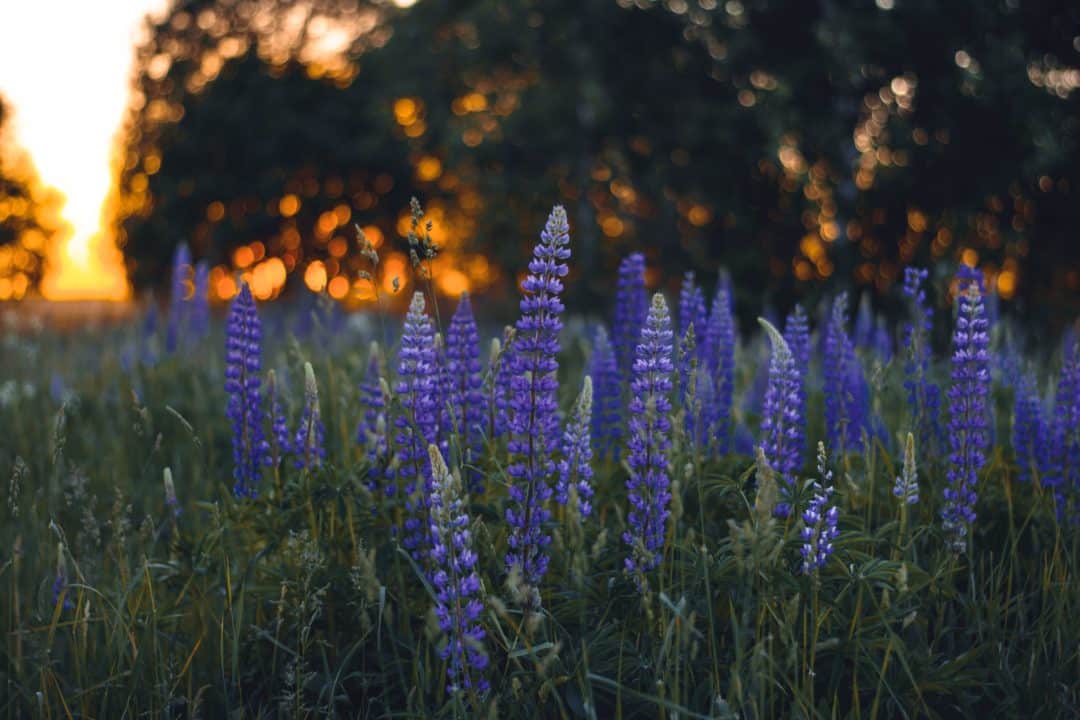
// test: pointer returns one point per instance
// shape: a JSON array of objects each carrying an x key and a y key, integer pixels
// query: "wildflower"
[
  {"x": 720, "y": 364},
  {"x": 631, "y": 305},
  {"x": 864, "y": 324},
  {"x": 532, "y": 418},
  {"x": 650, "y": 438},
  {"x": 171, "y": 502},
  {"x": 969, "y": 410},
  {"x": 819, "y": 522},
  {"x": 783, "y": 416},
  {"x": 1064, "y": 464},
  {"x": 607, "y": 420},
  {"x": 846, "y": 392},
  {"x": 692, "y": 310},
  {"x": 457, "y": 586},
  {"x": 371, "y": 432},
  {"x": 465, "y": 387},
  {"x": 500, "y": 374},
  {"x": 180, "y": 300},
  {"x": 797, "y": 336},
  {"x": 243, "y": 347},
  {"x": 575, "y": 468},
  {"x": 907, "y": 483},
  {"x": 883, "y": 341},
  {"x": 417, "y": 424},
  {"x": 280, "y": 442},
  {"x": 924, "y": 397},
  {"x": 1030, "y": 430},
  {"x": 310, "y": 443}
]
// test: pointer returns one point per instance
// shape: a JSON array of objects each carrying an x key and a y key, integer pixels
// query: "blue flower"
[
  {"x": 819, "y": 520},
  {"x": 243, "y": 348},
  {"x": 607, "y": 418},
  {"x": 846, "y": 392},
  {"x": 969, "y": 410},
  {"x": 418, "y": 423},
  {"x": 310, "y": 442},
  {"x": 575, "y": 468},
  {"x": 457, "y": 586},
  {"x": 533, "y": 423},
  {"x": 465, "y": 410},
  {"x": 648, "y": 485},
  {"x": 180, "y": 299},
  {"x": 719, "y": 352},
  {"x": 631, "y": 305},
  {"x": 783, "y": 416}
]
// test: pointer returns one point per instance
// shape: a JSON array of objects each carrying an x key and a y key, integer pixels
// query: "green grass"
[{"x": 302, "y": 603}]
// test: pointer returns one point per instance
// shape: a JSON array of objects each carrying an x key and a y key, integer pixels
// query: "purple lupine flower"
[
  {"x": 180, "y": 299},
  {"x": 784, "y": 410},
  {"x": 243, "y": 348},
  {"x": 924, "y": 396},
  {"x": 690, "y": 395},
  {"x": 607, "y": 419},
  {"x": 418, "y": 422},
  {"x": 969, "y": 409},
  {"x": 1064, "y": 464},
  {"x": 371, "y": 433},
  {"x": 309, "y": 445},
  {"x": 1030, "y": 430},
  {"x": 631, "y": 305},
  {"x": 906, "y": 488},
  {"x": 457, "y": 586},
  {"x": 846, "y": 391},
  {"x": 575, "y": 468},
  {"x": 819, "y": 522},
  {"x": 797, "y": 336},
  {"x": 533, "y": 423},
  {"x": 650, "y": 438},
  {"x": 280, "y": 442},
  {"x": 500, "y": 374},
  {"x": 200, "y": 301},
  {"x": 466, "y": 389},
  {"x": 692, "y": 309},
  {"x": 720, "y": 362}
]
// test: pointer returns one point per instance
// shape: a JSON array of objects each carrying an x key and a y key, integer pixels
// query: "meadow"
[{"x": 291, "y": 512}]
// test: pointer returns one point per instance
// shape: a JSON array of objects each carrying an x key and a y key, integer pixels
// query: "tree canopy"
[{"x": 799, "y": 143}]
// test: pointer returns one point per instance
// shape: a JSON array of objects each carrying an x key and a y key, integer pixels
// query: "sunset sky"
[{"x": 64, "y": 68}]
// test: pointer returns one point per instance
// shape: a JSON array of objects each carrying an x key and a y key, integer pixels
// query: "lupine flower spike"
[
  {"x": 575, "y": 468},
  {"x": 846, "y": 391},
  {"x": 1064, "y": 466},
  {"x": 969, "y": 410},
  {"x": 906, "y": 488},
  {"x": 180, "y": 299},
  {"x": 200, "y": 301},
  {"x": 631, "y": 305},
  {"x": 1030, "y": 430},
  {"x": 924, "y": 397},
  {"x": 465, "y": 411},
  {"x": 607, "y": 420},
  {"x": 782, "y": 421},
  {"x": 310, "y": 444},
  {"x": 457, "y": 586},
  {"x": 243, "y": 348},
  {"x": 819, "y": 519},
  {"x": 533, "y": 423},
  {"x": 650, "y": 439},
  {"x": 280, "y": 442},
  {"x": 371, "y": 433},
  {"x": 720, "y": 362},
  {"x": 417, "y": 423}
]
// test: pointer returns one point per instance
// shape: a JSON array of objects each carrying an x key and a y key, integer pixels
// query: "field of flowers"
[{"x": 296, "y": 513}]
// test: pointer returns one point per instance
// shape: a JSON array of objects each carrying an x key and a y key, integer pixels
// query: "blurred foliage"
[
  {"x": 28, "y": 216},
  {"x": 799, "y": 143}
]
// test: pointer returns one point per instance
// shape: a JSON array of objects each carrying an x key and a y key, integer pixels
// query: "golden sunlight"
[{"x": 65, "y": 68}]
